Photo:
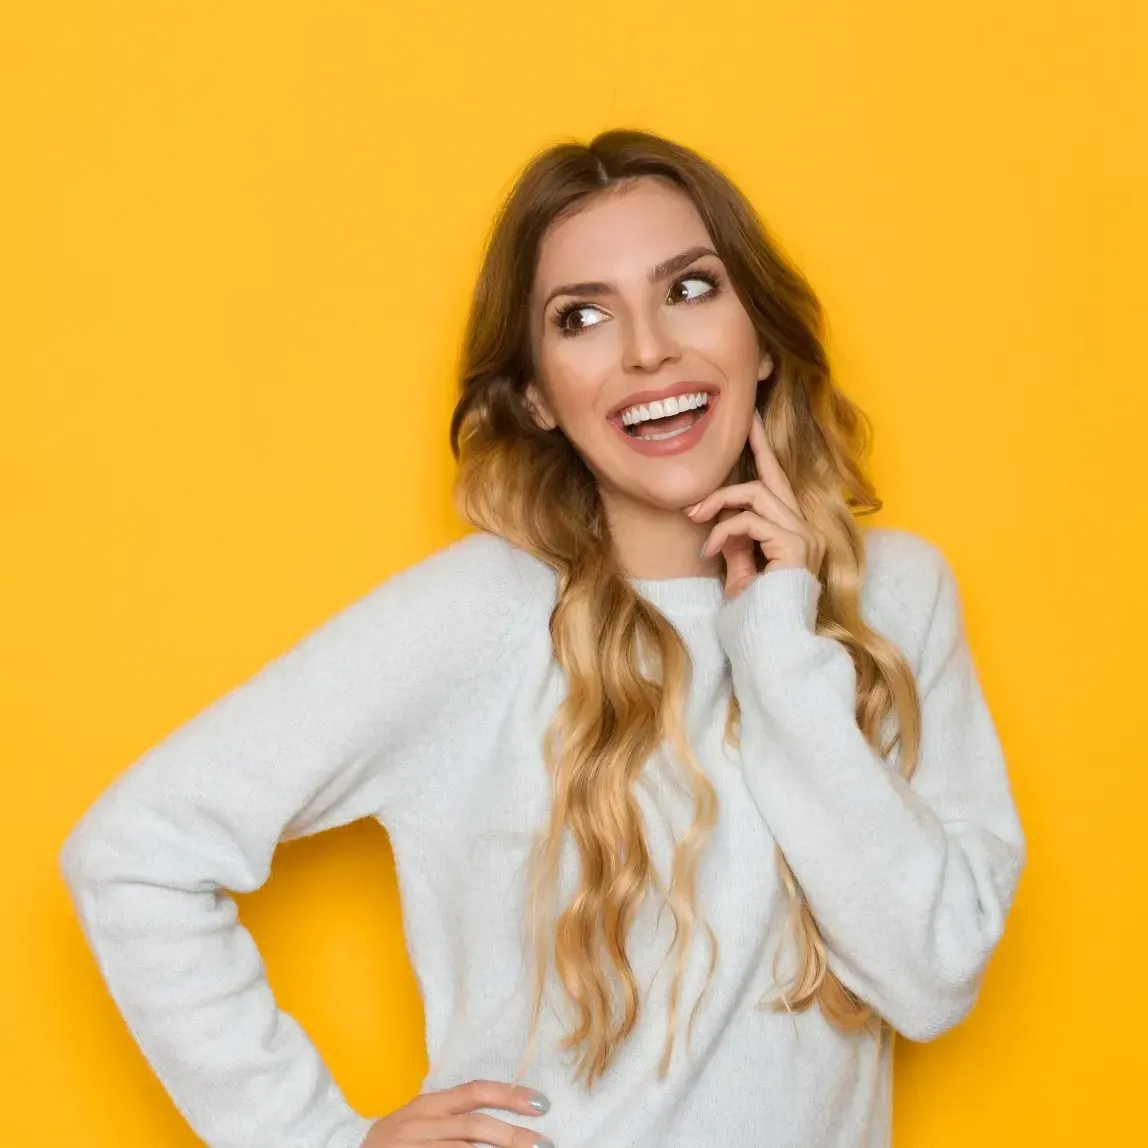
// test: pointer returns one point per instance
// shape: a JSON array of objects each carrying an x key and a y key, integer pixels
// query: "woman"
[{"x": 693, "y": 792}]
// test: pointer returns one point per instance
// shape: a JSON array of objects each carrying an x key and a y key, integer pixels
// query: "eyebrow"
[{"x": 662, "y": 271}]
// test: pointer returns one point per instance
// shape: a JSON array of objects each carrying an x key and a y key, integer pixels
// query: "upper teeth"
[{"x": 664, "y": 408}]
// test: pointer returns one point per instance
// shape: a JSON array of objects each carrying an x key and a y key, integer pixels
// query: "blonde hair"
[{"x": 531, "y": 487}]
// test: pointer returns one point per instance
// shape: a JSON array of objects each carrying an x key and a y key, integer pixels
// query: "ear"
[
  {"x": 539, "y": 407},
  {"x": 765, "y": 366}
]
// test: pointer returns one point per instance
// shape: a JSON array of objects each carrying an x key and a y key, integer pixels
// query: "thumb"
[
  {"x": 738, "y": 552},
  {"x": 740, "y": 568}
]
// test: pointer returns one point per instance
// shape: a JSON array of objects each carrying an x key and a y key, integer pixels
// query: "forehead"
[{"x": 620, "y": 236}]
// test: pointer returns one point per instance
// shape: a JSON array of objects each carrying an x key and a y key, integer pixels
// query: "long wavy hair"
[{"x": 529, "y": 485}]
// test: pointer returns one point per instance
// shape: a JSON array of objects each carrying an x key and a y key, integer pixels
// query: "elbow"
[
  {"x": 918, "y": 1000},
  {"x": 935, "y": 991},
  {"x": 76, "y": 859},
  {"x": 923, "y": 996},
  {"x": 941, "y": 973},
  {"x": 929, "y": 1013},
  {"x": 85, "y": 855}
]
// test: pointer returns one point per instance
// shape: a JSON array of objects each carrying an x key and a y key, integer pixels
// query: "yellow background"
[{"x": 237, "y": 246}]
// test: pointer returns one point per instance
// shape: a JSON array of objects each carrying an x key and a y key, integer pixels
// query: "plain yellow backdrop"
[{"x": 237, "y": 245}]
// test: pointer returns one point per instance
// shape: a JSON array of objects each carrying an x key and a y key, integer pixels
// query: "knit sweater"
[{"x": 423, "y": 704}]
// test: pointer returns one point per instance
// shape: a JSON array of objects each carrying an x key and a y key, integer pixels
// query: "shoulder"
[
  {"x": 908, "y": 585},
  {"x": 462, "y": 604},
  {"x": 482, "y": 571},
  {"x": 902, "y": 561}
]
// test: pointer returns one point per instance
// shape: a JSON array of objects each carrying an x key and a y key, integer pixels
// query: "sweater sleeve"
[
  {"x": 910, "y": 882},
  {"x": 317, "y": 738}
]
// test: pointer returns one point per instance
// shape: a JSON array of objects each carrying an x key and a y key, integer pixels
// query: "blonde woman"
[{"x": 694, "y": 794}]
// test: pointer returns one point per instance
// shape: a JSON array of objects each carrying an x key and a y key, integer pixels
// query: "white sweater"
[{"x": 423, "y": 705}]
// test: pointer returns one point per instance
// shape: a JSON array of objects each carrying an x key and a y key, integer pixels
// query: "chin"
[
  {"x": 677, "y": 494},
  {"x": 691, "y": 485},
  {"x": 671, "y": 484}
]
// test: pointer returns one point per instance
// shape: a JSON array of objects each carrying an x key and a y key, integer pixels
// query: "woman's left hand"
[{"x": 772, "y": 519}]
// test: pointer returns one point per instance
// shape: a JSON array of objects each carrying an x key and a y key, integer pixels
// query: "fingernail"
[
  {"x": 543, "y": 1142},
  {"x": 539, "y": 1102},
  {"x": 702, "y": 551},
  {"x": 694, "y": 509}
]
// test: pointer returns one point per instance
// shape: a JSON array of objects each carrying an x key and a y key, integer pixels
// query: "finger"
[
  {"x": 485, "y": 1094},
  {"x": 768, "y": 468},
  {"x": 746, "y": 525},
  {"x": 473, "y": 1127},
  {"x": 740, "y": 565},
  {"x": 736, "y": 583},
  {"x": 739, "y": 554},
  {"x": 755, "y": 495}
]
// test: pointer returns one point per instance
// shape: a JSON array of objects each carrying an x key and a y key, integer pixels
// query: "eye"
[
  {"x": 693, "y": 287},
  {"x": 574, "y": 318}
]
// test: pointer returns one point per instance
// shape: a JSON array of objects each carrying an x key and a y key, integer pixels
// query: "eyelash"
[{"x": 567, "y": 309}]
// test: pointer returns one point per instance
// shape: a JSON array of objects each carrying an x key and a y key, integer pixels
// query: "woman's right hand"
[{"x": 448, "y": 1119}]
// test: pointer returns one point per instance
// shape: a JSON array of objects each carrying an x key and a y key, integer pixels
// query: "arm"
[
  {"x": 910, "y": 882},
  {"x": 316, "y": 739}
]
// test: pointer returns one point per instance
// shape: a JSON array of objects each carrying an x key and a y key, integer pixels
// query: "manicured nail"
[
  {"x": 702, "y": 551},
  {"x": 539, "y": 1102},
  {"x": 542, "y": 1142},
  {"x": 694, "y": 509}
]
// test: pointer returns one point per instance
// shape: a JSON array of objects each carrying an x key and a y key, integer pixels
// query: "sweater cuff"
[{"x": 778, "y": 608}]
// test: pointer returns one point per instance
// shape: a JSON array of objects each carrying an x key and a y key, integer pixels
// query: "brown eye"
[
  {"x": 683, "y": 292},
  {"x": 575, "y": 319}
]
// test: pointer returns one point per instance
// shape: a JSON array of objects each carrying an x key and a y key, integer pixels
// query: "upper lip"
[{"x": 640, "y": 398}]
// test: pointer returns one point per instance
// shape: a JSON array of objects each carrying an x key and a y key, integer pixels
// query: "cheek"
[
  {"x": 575, "y": 372},
  {"x": 727, "y": 338}
]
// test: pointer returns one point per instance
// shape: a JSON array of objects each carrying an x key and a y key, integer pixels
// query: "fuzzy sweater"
[{"x": 423, "y": 704}]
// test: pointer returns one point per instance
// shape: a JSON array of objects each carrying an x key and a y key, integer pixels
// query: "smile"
[{"x": 671, "y": 424}]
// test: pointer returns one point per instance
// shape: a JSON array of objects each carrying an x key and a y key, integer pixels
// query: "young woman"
[{"x": 694, "y": 795}]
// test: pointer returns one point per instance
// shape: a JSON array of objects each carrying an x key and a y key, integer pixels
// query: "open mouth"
[{"x": 665, "y": 419}]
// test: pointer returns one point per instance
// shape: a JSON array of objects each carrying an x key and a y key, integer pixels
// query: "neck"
[{"x": 651, "y": 542}]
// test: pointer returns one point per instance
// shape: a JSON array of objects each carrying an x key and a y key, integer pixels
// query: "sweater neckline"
[{"x": 699, "y": 594}]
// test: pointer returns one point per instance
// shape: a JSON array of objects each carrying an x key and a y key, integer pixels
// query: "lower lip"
[{"x": 681, "y": 442}]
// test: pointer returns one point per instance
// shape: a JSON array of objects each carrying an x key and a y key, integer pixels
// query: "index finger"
[
  {"x": 491, "y": 1094},
  {"x": 768, "y": 468}
]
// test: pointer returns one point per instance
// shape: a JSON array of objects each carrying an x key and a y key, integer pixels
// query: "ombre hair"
[{"x": 529, "y": 485}]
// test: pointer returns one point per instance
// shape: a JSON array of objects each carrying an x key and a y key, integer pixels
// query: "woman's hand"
[
  {"x": 772, "y": 520},
  {"x": 448, "y": 1118}
]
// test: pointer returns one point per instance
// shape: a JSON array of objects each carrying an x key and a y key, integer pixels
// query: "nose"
[{"x": 649, "y": 342}]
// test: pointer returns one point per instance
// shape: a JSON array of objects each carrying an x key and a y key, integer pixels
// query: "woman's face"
[{"x": 632, "y": 307}]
